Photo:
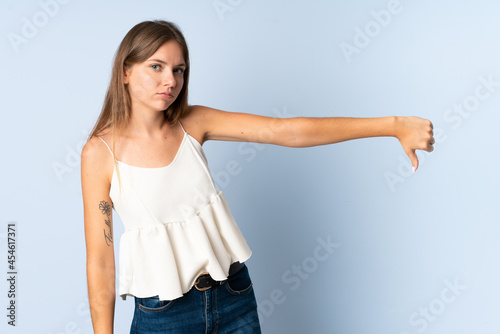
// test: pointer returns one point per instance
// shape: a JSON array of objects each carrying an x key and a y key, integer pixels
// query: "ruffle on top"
[
  {"x": 177, "y": 226},
  {"x": 170, "y": 256}
]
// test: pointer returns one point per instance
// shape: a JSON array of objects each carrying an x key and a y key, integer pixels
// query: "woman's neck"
[{"x": 147, "y": 124}]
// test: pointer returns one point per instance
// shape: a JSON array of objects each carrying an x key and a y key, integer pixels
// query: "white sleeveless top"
[{"x": 177, "y": 225}]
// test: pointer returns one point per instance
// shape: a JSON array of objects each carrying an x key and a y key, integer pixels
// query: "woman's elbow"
[{"x": 295, "y": 132}]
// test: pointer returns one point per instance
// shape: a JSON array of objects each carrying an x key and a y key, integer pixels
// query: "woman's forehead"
[{"x": 170, "y": 52}]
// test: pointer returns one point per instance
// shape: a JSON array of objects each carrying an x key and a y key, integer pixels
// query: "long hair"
[{"x": 140, "y": 43}]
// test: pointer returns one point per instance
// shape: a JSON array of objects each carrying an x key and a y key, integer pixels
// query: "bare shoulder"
[
  {"x": 198, "y": 121},
  {"x": 95, "y": 149},
  {"x": 215, "y": 124},
  {"x": 96, "y": 159},
  {"x": 198, "y": 114}
]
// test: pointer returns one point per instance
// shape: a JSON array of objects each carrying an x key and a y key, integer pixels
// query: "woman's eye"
[
  {"x": 179, "y": 70},
  {"x": 156, "y": 67}
]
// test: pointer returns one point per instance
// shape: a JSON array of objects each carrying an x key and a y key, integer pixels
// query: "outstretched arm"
[{"x": 413, "y": 133}]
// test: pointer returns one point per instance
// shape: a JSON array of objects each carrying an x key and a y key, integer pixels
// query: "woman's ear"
[{"x": 126, "y": 74}]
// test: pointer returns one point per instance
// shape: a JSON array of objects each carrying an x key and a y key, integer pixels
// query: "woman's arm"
[
  {"x": 412, "y": 132},
  {"x": 98, "y": 235}
]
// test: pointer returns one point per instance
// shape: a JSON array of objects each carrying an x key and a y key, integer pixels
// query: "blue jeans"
[{"x": 227, "y": 308}]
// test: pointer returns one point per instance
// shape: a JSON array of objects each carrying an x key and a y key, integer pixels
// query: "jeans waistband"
[{"x": 205, "y": 281}]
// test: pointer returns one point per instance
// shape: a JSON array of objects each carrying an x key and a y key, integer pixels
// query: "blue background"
[{"x": 415, "y": 252}]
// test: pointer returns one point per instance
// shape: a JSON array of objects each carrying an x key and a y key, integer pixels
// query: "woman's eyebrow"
[{"x": 163, "y": 62}]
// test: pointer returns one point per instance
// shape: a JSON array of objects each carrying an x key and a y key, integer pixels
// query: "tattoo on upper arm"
[{"x": 106, "y": 210}]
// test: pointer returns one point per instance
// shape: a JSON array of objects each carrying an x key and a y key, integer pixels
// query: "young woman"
[{"x": 182, "y": 255}]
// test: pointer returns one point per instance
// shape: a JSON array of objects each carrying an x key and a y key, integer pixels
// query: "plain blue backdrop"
[{"x": 345, "y": 239}]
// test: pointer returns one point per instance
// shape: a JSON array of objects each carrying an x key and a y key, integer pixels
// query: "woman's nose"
[{"x": 169, "y": 79}]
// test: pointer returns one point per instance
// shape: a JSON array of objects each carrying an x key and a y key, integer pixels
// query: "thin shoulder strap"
[
  {"x": 181, "y": 126},
  {"x": 106, "y": 145}
]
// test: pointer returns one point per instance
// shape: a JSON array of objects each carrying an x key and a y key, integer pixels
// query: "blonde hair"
[{"x": 140, "y": 43}]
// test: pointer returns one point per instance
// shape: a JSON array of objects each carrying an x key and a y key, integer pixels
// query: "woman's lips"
[{"x": 166, "y": 95}]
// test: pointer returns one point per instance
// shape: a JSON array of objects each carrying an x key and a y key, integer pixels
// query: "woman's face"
[{"x": 154, "y": 84}]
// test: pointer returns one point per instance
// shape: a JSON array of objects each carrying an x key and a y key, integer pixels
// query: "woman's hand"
[{"x": 414, "y": 133}]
